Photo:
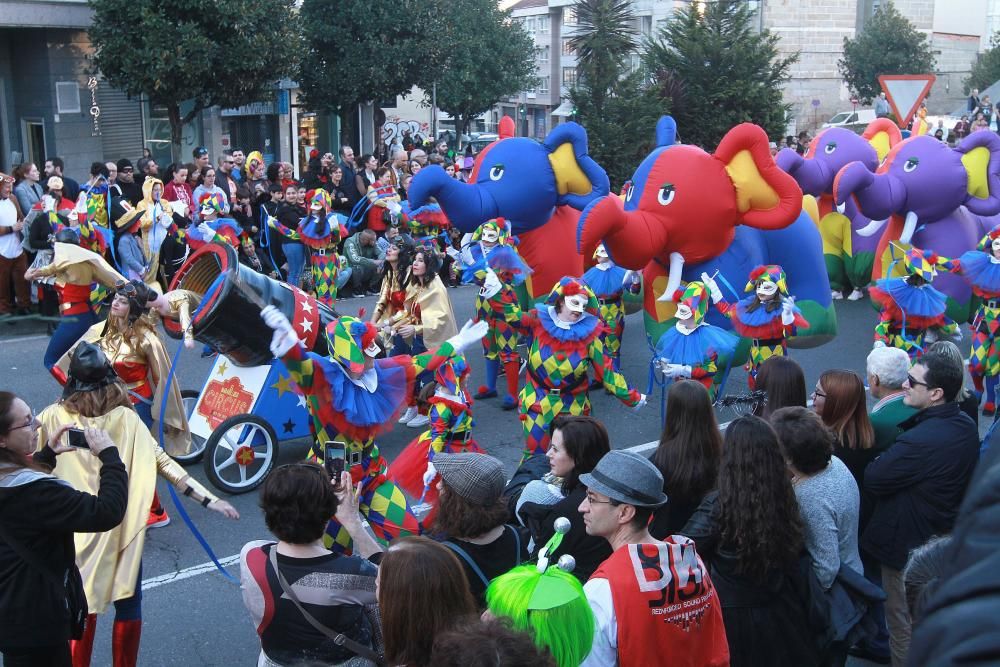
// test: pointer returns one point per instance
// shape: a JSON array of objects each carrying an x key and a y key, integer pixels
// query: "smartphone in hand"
[
  {"x": 77, "y": 438},
  {"x": 333, "y": 460}
]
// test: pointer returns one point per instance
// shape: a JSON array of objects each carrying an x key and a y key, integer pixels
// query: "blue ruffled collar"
[{"x": 564, "y": 331}]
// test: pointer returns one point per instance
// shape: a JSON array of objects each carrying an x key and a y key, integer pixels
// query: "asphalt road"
[{"x": 196, "y": 617}]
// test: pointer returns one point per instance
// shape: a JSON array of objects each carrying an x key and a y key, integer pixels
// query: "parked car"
[{"x": 859, "y": 118}]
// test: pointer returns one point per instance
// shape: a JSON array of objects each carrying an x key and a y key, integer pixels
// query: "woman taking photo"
[
  {"x": 688, "y": 456},
  {"x": 111, "y": 562},
  {"x": 422, "y": 593},
  {"x": 298, "y": 500},
  {"x": 576, "y": 445},
  {"x": 42, "y": 596},
  {"x": 751, "y": 534},
  {"x": 840, "y": 400}
]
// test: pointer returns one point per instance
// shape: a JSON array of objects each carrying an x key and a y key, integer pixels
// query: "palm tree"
[{"x": 605, "y": 35}]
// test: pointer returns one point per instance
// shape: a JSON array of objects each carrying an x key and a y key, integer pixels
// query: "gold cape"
[
  {"x": 109, "y": 561},
  {"x": 74, "y": 265},
  {"x": 437, "y": 321},
  {"x": 176, "y": 433}
]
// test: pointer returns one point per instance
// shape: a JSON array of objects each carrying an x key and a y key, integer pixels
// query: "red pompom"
[
  {"x": 369, "y": 335},
  {"x": 757, "y": 273},
  {"x": 572, "y": 288}
]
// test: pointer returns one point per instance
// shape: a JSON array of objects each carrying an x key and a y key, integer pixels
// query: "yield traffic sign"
[{"x": 905, "y": 92}]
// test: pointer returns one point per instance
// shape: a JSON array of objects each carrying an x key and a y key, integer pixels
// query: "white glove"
[
  {"x": 394, "y": 208},
  {"x": 207, "y": 232},
  {"x": 787, "y": 312},
  {"x": 713, "y": 287},
  {"x": 676, "y": 370},
  {"x": 272, "y": 222},
  {"x": 430, "y": 473},
  {"x": 48, "y": 204},
  {"x": 178, "y": 207},
  {"x": 878, "y": 344},
  {"x": 638, "y": 406},
  {"x": 472, "y": 332},
  {"x": 284, "y": 337}
]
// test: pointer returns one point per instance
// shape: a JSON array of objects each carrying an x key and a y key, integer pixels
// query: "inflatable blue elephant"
[{"x": 538, "y": 187}]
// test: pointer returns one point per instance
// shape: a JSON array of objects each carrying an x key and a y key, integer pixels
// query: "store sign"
[
  {"x": 95, "y": 109},
  {"x": 279, "y": 105}
]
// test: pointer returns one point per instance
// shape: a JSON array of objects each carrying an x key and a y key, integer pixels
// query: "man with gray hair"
[
  {"x": 650, "y": 598},
  {"x": 886, "y": 369}
]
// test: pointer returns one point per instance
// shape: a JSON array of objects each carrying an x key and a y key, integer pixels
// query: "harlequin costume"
[
  {"x": 450, "y": 432},
  {"x": 352, "y": 402},
  {"x": 425, "y": 224},
  {"x": 110, "y": 562},
  {"x": 768, "y": 323},
  {"x": 321, "y": 231},
  {"x": 497, "y": 269},
  {"x": 981, "y": 269},
  {"x": 383, "y": 202},
  {"x": 609, "y": 282},
  {"x": 909, "y": 306},
  {"x": 694, "y": 351},
  {"x": 227, "y": 231},
  {"x": 559, "y": 356}
]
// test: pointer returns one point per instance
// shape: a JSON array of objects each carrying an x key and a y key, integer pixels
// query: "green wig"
[{"x": 551, "y": 606}]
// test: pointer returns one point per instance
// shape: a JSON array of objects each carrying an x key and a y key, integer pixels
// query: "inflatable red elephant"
[{"x": 687, "y": 211}]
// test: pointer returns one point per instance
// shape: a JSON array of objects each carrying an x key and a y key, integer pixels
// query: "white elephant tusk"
[
  {"x": 909, "y": 226},
  {"x": 673, "y": 277},
  {"x": 872, "y": 227},
  {"x": 841, "y": 207}
]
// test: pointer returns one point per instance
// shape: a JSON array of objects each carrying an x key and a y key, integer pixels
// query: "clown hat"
[
  {"x": 450, "y": 374},
  {"x": 987, "y": 241},
  {"x": 212, "y": 202},
  {"x": 770, "y": 273},
  {"x": 499, "y": 225},
  {"x": 254, "y": 158},
  {"x": 347, "y": 339},
  {"x": 125, "y": 216},
  {"x": 921, "y": 263},
  {"x": 319, "y": 200},
  {"x": 569, "y": 286},
  {"x": 695, "y": 297}
]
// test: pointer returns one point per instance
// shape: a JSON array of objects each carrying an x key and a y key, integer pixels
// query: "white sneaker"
[
  {"x": 836, "y": 296},
  {"x": 410, "y": 413},
  {"x": 856, "y": 295},
  {"x": 418, "y": 421}
]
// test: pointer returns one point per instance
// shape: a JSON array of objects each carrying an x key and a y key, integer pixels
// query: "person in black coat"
[
  {"x": 42, "y": 602},
  {"x": 919, "y": 482},
  {"x": 545, "y": 488}
]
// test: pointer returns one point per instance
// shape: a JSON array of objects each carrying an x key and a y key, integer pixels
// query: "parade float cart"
[{"x": 248, "y": 403}]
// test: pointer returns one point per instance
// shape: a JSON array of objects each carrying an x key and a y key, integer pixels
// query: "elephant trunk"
[
  {"x": 813, "y": 175},
  {"x": 466, "y": 205},
  {"x": 632, "y": 238},
  {"x": 878, "y": 195}
]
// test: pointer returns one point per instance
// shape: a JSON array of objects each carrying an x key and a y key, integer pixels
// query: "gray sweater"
[{"x": 830, "y": 503}]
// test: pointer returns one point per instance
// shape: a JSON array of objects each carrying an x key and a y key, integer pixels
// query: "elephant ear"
[
  {"x": 767, "y": 197},
  {"x": 883, "y": 135},
  {"x": 980, "y": 153},
  {"x": 505, "y": 128},
  {"x": 579, "y": 179}
]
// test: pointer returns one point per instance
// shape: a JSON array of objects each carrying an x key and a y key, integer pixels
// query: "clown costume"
[
  {"x": 769, "y": 317},
  {"x": 609, "y": 282},
  {"x": 353, "y": 398}
]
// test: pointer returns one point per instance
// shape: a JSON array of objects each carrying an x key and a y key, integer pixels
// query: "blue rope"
[
  {"x": 662, "y": 383},
  {"x": 265, "y": 239},
  {"x": 173, "y": 494}
]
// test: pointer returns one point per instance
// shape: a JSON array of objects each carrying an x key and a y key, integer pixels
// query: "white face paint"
[
  {"x": 602, "y": 253},
  {"x": 996, "y": 247},
  {"x": 766, "y": 290},
  {"x": 491, "y": 285},
  {"x": 372, "y": 350},
  {"x": 684, "y": 312},
  {"x": 576, "y": 303},
  {"x": 207, "y": 211},
  {"x": 490, "y": 235}
]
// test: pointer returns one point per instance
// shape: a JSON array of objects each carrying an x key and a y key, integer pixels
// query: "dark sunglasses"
[{"x": 914, "y": 381}]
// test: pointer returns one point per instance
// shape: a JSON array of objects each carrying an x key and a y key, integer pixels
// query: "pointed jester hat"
[
  {"x": 921, "y": 263},
  {"x": 319, "y": 200},
  {"x": 770, "y": 273},
  {"x": 450, "y": 374},
  {"x": 568, "y": 287},
  {"x": 987, "y": 242},
  {"x": 349, "y": 340},
  {"x": 695, "y": 297},
  {"x": 212, "y": 202}
]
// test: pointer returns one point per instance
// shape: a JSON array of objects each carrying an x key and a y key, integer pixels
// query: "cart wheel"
[
  {"x": 189, "y": 397},
  {"x": 240, "y": 453}
]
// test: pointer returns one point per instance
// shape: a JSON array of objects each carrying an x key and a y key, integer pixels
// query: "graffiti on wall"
[{"x": 396, "y": 128}]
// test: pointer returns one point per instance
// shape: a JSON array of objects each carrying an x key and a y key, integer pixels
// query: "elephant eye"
[
  {"x": 629, "y": 190},
  {"x": 830, "y": 147},
  {"x": 911, "y": 164},
  {"x": 496, "y": 172},
  {"x": 666, "y": 194}
]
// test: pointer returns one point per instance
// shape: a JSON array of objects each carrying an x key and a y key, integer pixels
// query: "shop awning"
[{"x": 565, "y": 109}]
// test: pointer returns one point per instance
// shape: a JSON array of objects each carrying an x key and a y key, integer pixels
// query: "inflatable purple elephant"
[
  {"x": 849, "y": 238},
  {"x": 933, "y": 197}
]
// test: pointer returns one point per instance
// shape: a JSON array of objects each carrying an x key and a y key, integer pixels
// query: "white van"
[{"x": 860, "y": 117}]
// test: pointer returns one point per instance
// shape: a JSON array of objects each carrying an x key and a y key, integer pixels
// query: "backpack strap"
[{"x": 463, "y": 554}]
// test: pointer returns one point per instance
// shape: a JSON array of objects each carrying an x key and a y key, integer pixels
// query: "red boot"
[
  {"x": 511, "y": 370},
  {"x": 82, "y": 648},
  {"x": 125, "y": 643}
]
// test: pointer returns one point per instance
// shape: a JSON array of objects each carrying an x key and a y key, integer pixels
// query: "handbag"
[
  {"x": 338, "y": 638},
  {"x": 72, "y": 585}
]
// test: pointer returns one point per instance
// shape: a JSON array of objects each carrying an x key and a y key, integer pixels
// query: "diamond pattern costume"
[
  {"x": 559, "y": 356},
  {"x": 355, "y": 411},
  {"x": 609, "y": 283}
]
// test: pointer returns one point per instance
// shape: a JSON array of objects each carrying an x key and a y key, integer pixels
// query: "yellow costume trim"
[{"x": 437, "y": 320}]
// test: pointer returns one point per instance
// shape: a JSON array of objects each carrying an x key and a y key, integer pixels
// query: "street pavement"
[{"x": 194, "y": 616}]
